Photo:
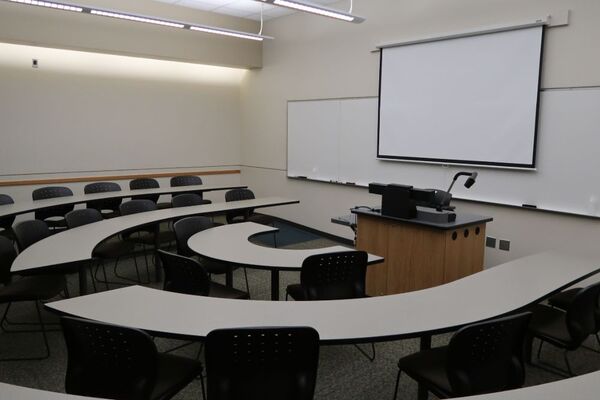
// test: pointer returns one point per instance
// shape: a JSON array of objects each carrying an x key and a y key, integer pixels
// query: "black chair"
[
  {"x": 121, "y": 363},
  {"x": 147, "y": 183},
  {"x": 247, "y": 215},
  {"x": 567, "y": 329},
  {"x": 333, "y": 276},
  {"x": 6, "y": 222},
  {"x": 35, "y": 289},
  {"x": 565, "y": 298},
  {"x": 110, "y": 249},
  {"x": 481, "y": 358},
  {"x": 262, "y": 363},
  {"x": 54, "y": 216},
  {"x": 30, "y": 232},
  {"x": 188, "y": 200},
  {"x": 109, "y": 208},
  {"x": 189, "y": 180},
  {"x": 186, "y": 228},
  {"x": 186, "y": 275}
]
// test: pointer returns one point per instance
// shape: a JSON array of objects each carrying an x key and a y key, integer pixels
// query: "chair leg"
[
  {"x": 397, "y": 384},
  {"x": 92, "y": 277},
  {"x": 566, "y": 357},
  {"x": 370, "y": 357},
  {"x": 5, "y": 322},
  {"x": 202, "y": 387},
  {"x": 247, "y": 286},
  {"x": 539, "y": 352},
  {"x": 43, "y": 331}
]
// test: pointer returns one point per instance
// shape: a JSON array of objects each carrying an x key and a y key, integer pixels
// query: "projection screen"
[{"x": 465, "y": 100}]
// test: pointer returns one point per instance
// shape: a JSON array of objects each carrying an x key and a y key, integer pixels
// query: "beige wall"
[
  {"x": 68, "y": 30},
  {"x": 315, "y": 57}
]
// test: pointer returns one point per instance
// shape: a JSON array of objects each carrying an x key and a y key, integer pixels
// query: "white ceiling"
[{"x": 240, "y": 8}]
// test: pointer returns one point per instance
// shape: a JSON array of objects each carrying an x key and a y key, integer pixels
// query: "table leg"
[
  {"x": 425, "y": 345},
  {"x": 274, "y": 284},
  {"x": 83, "y": 286}
]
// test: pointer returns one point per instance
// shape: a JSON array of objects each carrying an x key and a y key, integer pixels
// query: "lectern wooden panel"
[{"x": 418, "y": 254}]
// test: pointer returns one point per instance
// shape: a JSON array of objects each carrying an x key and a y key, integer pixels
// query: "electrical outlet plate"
[
  {"x": 504, "y": 245},
  {"x": 490, "y": 242}
]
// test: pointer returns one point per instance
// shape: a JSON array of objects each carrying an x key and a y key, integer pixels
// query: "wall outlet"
[
  {"x": 34, "y": 63},
  {"x": 490, "y": 242},
  {"x": 504, "y": 245}
]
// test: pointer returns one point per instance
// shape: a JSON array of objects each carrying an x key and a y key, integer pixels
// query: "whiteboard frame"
[{"x": 474, "y": 163}]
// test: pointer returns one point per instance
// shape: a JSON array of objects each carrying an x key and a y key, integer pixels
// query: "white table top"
[
  {"x": 583, "y": 387},
  {"x": 22, "y": 207},
  {"x": 12, "y": 392},
  {"x": 230, "y": 243},
  {"x": 487, "y": 294},
  {"x": 73, "y": 245}
]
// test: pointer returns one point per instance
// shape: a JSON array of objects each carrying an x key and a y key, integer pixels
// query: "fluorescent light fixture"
[
  {"x": 136, "y": 18},
  {"x": 48, "y": 4},
  {"x": 315, "y": 9},
  {"x": 237, "y": 34},
  {"x": 143, "y": 18}
]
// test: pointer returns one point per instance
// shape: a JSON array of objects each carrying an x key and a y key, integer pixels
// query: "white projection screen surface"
[{"x": 466, "y": 100}]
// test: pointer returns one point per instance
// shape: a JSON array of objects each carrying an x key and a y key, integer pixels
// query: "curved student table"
[
  {"x": 13, "y": 392},
  {"x": 77, "y": 244},
  {"x": 230, "y": 244},
  {"x": 487, "y": 294},
  {"x": 22, "y": 207},
  {"x": 583, "y": 387}
]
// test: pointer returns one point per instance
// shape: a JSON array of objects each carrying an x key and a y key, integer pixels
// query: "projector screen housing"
[{"x": 463, "y": 100}]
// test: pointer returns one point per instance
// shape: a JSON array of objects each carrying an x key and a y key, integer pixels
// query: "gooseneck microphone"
[{"x": 472, "y": 176}]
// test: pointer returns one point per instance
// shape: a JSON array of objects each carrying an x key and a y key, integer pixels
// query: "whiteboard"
[
  {"x": 567, "y": 177},
  {"x": 469, "y": 100}
]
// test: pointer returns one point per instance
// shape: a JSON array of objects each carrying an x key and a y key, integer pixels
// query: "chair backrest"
[
  {"x": 184, "y": 275},
  {"x": 581, "y": 314},
  {"x": 332, "y": 276},
  {"x": 186, "y": 180},
  {"x": 145, "y": 183},
  {"x": 7, "y": 256},
  {"x": 103, "y": 187},
  {"x": 83, "y": 216},
  {"x": 488, "y": 356},
  {"x": 108, "y": 361},
  {"x": 262, "y": 363},
  {"x": 50, "y": 192},
  {"x": 237, "y": 195},
  {"x": 6, "y": 222},
  {"x": 137, "y": 206},
  {"x": 30, "y": 232},
  {"x": 185, "y": 228},
  {"x": 186, "y": 200}
]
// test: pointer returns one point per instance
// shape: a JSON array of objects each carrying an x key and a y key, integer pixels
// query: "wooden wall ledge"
[{"x": 101, "y": 178}]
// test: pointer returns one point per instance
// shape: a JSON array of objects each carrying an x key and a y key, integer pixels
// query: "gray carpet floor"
[{"x": 343, "y": 372}]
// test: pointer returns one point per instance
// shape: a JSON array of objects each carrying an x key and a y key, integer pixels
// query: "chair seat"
[
  {"x": 550, "y": 324},
  {"x": 173, "y": 374},
  {"x": 39, "y": 287},
  {"x": 564, "y": 299},
  {"x": 224, "y": 292},
  {"x": 429, "y": 368},
  {"x": 163, "y": 205},
  {"x": 114, "y": 249},
  {"x": 296, "y": 292},
  {"x": 107, "y": 214},
  {"x": 215, "y": 267}
]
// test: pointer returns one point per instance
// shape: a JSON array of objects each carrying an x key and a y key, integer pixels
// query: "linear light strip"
[
  {"x": 315, "y": 9},
  {"x": 136, "y": 18},
  {"x": 236, "y": 34},
  {"x": 142, "y": 18},
  {"x": 47, "y": 4}
]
